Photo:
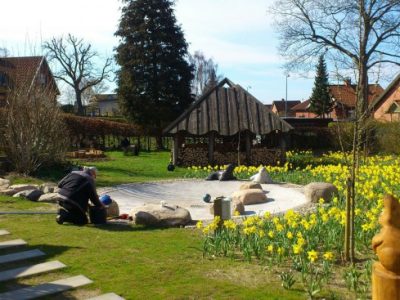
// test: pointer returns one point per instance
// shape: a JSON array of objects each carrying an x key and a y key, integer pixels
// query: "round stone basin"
[{"x": 189, "y": 194}]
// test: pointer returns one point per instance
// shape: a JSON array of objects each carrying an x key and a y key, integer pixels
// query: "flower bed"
[{"x": 309, "y": 246}]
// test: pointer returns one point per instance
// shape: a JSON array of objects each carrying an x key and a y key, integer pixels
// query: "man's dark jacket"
[{"x": 79, "y": 187}]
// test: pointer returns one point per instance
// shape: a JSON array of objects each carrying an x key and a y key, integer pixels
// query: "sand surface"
[{"x": 189, "y": 194}]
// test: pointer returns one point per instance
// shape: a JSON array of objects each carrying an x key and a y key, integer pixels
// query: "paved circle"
[{"x": 189, "y": 194}]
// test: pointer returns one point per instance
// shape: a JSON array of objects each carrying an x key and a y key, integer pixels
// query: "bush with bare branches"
[{"x": 34, "y": 132}]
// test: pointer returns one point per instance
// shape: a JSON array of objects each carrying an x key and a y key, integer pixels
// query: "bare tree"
[
  {"x": 205, "y": 73},
  {"x": 361, "y": 35},
  {"x": 68, "y": 93},
  {"x": 76, "y": 65},
  {"x": 33, "y": 132},
  {"x": 4, "y": 52}
]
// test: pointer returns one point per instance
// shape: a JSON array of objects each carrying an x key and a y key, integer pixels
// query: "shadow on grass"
[
  {"x": 50, "y": 252},
  {"x": 129, "y": 227}
]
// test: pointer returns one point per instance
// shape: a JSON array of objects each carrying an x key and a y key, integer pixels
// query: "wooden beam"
[
  {"x": 175, "y": 150},
  {"x": 248, "y": 147},
  {"x": 211, "y": 147}
]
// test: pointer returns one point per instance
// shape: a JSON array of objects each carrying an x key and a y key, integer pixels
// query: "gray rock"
[
  {"x": 8, "y": 192},
  {"x": 262, "y": 177},
  {"x": 317, "y": 190},
  {"x": 23, "y": 187},
  {"x": 32, "y": 195},
  {"x": 112, "y": 210},
  {"x": 161, "y": 216},
  {"x": 4, "y": 184},
  {"x": 250, "y": 185},
  {"x": 49, "y": 198},
  {"x": 235, "y": 206},
  {"x": 250, "y": 196},
  {"x": 48, "y": 187}
]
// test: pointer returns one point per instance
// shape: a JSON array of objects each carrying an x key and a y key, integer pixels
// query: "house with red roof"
[
  {"x": 25, "y": 72},
  {"x": 386, "y": 107},
  {"x": 284, "y": 108},
  {"x": 344, "y": 101},
  {"x": 344, "y": 98},
  {"x": 302, "y": 110}
]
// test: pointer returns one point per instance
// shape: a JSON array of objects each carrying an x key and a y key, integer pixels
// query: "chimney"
[{"x": 347, "y": 81}]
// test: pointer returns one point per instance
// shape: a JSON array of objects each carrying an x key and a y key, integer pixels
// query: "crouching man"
[{"x": 76, "y": 189}]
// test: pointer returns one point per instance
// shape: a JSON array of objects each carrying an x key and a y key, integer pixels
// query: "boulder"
[
  {"x": 4, "y": 184},
  {"x": 23, "y": 187},
  {"x": 50, "y": 198},
  {"x": 251, "y": 185},
  {"x": 317, "y": 190},
  {"x": 250, "y": 196},
  {"x": 8, "y": 192},
  {"x": 33, "y": 194},
  {"x": 238, "y": 206},
  {"x": 228, "y": 173},
  {"x": 49, "y": 187},
  {"x": 160, "y": 215},
  {"x": 262, "y": 177},
  {"x": 112, "y": 210},
  {"x": 235, "y": 206}
]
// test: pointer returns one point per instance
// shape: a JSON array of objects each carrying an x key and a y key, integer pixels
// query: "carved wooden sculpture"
[{"x": 386, "y": 244}]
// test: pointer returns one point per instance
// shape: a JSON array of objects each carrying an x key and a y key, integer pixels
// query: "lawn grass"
[
  {"x": 116, "y": 168},
  {"x": 134, "y": 262},
  {"x": 148, "y": 166}
]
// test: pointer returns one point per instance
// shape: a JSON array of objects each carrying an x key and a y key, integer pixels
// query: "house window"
[
  {"x": 3, "y": 79},
  {"x": 42, "y": 78}
]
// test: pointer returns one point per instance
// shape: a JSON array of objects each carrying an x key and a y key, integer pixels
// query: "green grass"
[
  {"x": 134, "y": 262},
  {"x": 148, "y": 166},
  {"x": 116, "y": 168}
]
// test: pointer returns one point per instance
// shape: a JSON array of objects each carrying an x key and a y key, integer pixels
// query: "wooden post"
[
  {"x": 386, "y": 244},
  {"x": 248, "y": 147},
  {"x": 283, "y": 141},
  {"x": 175, "y": 150},
  {"x": 211, "y": 146}
]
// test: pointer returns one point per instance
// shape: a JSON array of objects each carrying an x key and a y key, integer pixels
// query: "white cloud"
[{"x": 235, "y": 33}]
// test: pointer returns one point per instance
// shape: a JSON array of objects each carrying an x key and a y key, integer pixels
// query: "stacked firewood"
[
  {"x": 225, "y": 158},
  {"x": 193, "y": 157},
  {"x": 265, "y": 156},
  {"x": 198, "y": 156}
]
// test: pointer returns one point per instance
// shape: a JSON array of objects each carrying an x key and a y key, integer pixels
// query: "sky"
[{"x": 236, "y": 34}]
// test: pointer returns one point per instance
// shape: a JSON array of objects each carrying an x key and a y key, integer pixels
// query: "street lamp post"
[{"x": 287, "y": 75}]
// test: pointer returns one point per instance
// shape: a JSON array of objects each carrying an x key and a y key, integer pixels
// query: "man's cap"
[{"x": 90, "y": 169}]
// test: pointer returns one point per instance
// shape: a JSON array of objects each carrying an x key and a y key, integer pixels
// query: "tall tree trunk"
[
  {"x": 159, "y": 142},
  {"x": 79, "y": 102}
]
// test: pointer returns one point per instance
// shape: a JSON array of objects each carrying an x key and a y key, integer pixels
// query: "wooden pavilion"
[{"x": 228, "y": 125}]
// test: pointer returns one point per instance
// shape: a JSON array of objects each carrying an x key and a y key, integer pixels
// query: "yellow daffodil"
[{"x": 312, "y": 255}]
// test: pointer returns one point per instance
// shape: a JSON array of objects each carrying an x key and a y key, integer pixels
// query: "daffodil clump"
[{"x": 312, "y": 243}]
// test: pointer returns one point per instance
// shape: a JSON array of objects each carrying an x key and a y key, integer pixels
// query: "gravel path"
[{"x": 189, "y": 194}]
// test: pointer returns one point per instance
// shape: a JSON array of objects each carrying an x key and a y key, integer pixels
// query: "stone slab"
[
  {"x": 30, "y": 270},
  {"x": 12, "y": 243},
  {"x": 108, "y": 296},
  {"x": 46, "y": 289},
  {"x": 3, "y": 232},
  {"x": 20, "y": 256}
]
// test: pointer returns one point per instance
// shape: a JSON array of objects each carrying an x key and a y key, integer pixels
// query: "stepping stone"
[
  {"x": 20, "y": 256},
  {"x": 46, "y": 289},
  {"x": 108, "y": 296},
  {"x": 3, "y": 232},
  {"x": 12, "y": 243},
  {"x": 30, "y": 270}
]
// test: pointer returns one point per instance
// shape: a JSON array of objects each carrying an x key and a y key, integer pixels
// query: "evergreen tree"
[
  {"x": 154, "y": 78},
  {"x": 320, "y": 100}
]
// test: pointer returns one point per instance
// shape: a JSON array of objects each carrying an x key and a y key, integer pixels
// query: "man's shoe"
[{"x": 59, "y": 219}]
